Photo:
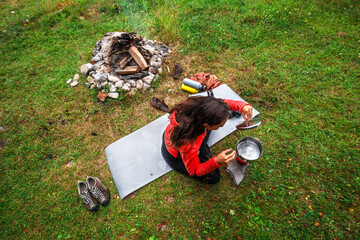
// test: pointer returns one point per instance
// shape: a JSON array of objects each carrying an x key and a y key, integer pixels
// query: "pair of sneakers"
[{"x": 93, "y": 193}]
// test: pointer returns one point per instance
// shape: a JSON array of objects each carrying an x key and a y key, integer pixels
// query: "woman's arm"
[
  {"x": 189, "y": 155},
  {"x": 241, "y": 106}
]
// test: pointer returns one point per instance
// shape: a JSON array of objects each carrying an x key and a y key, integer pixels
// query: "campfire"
[{"x": 124, "y": 61}]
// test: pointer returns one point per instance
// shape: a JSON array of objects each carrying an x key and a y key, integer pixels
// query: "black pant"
[{"x": 178, "y": 165}]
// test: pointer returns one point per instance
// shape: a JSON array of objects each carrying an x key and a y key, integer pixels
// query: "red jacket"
[{"x": 189, "y": 151}]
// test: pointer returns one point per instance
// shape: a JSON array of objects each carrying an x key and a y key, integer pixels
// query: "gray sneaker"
[
  {"x": 89, "y": 201},
  {"x": 98, "y": 190}
]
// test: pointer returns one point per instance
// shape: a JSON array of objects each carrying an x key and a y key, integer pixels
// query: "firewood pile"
[{"x": 124, "y": 61}]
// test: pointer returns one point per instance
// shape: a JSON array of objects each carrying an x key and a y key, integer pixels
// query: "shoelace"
[
  {"x": 97, "y": 193},
  {"x": 86, "y": 198}
]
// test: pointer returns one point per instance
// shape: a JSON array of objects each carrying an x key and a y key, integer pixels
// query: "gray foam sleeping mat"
[{"x": 135, "y": 160}]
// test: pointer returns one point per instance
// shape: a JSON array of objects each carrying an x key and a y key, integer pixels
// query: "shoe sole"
[{"x": 177, "y": 71}]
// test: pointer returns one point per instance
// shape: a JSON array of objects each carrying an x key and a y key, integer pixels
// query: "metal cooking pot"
[{"x": 248, "y": 148}]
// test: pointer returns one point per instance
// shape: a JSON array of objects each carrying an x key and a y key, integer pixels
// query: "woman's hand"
[
  {"x": 225, "y": 159},
  {"x": 247, "y": 112}
]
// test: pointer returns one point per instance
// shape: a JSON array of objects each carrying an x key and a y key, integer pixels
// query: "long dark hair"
[{"x": 192, "y": 114}]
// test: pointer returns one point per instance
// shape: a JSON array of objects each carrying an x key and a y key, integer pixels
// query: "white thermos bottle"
[{"x": 194, "y": 84}]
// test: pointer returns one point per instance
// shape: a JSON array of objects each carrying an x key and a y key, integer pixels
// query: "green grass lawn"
[{"x": 297, "y": 62}]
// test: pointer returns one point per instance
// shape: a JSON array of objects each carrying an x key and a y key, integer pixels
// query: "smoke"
[{"x": 137, "y": 16}]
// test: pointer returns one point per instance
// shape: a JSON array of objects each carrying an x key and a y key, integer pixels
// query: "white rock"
[
  {"x": 113, "y": 79},
  {"x": 104, "y": 68},
  {"x": 97, "y": 76},
  {"x": 139, "y": 84},
  {"x": 132, "y": 83},
  {"x": 98, "y": 85},
  {"x": 112, "y": 88},
  {"x": 103, "y": 84},
  {"x": 119, "y": 84},
  {"x": 94, "y": 67},
  {"x": 90, "y": 79},
  {"x": 100, "y": 77},
  {"x": 171, "y": 90},
  {"x": 76, "y": 77},
  {"x": 96, "y": 58},
  {"x": 154, "y": 58},
  {"x": 87, "y": 84},
  {"x": 114, "y": 95},
  {"x": 74, "y": 83},
  {"x": 160, "y": 70},
  {"x": 86, "y": 68},
  {"x": 69, "y": 81},
  {"x": 146, "y": 86},
  {"x": 149, "y": 48},
  {"x": 150, "y": 43},
  {"x": 93, "y": 86},
  {"x": 151, "y": 75},
  {"x": 99, "y": 56},
  {"x": 155, "y": 64},
  {"x": 148, "y": 79},
  {"x": 126, "y": 87}
]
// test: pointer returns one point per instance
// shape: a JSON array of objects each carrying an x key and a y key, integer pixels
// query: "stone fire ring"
[{"x": 124, "y": 61}]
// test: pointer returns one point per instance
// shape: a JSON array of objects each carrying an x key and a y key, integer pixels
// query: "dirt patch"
[
  {"x": 64, "y": 4},
  {"x": 92, "y": 12}
]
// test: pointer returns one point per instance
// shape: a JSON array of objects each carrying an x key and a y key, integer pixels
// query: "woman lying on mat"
[{"x": 185, "y": 146}]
